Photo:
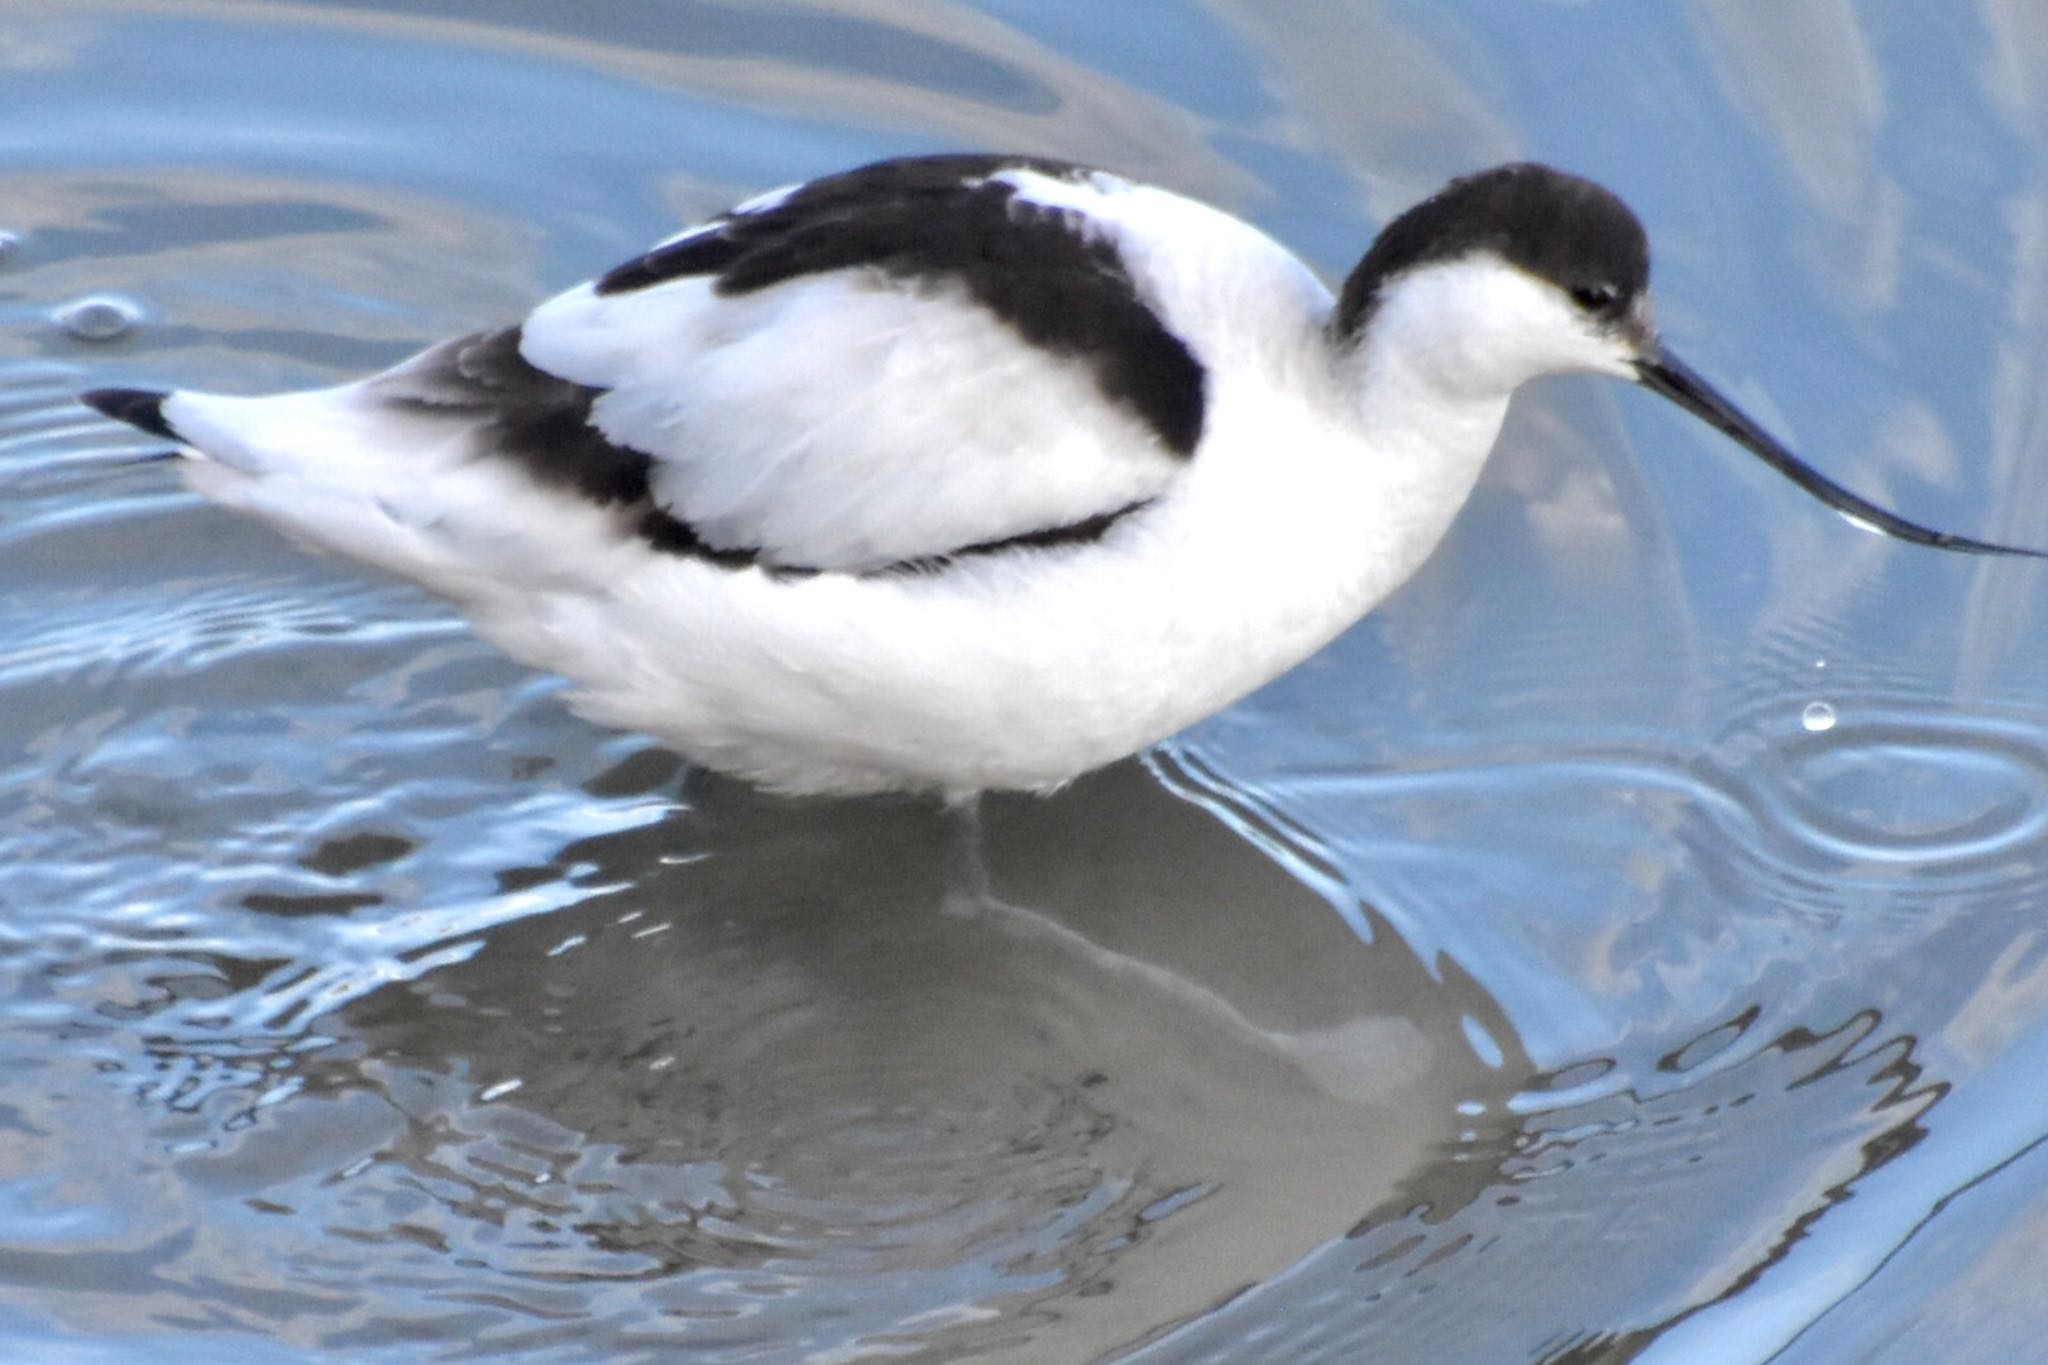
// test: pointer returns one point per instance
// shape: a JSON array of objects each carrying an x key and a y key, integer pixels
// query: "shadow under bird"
[{"x": 959, "y": 472}]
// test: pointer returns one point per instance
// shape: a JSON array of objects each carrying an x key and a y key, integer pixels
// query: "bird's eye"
[{"x": 1601, "y": 299}]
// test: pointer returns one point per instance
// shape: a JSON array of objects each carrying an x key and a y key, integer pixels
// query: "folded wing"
[{"x": 898, "y": 364}]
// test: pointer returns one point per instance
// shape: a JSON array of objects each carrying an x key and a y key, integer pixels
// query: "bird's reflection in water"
[{"x": 767, "y": 1083}]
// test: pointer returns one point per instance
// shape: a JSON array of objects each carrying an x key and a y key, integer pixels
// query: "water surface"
[{"x": 1627, "y": 944}]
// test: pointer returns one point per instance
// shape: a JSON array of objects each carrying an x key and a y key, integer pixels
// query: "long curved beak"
[{"x": 1662, "y": 372}]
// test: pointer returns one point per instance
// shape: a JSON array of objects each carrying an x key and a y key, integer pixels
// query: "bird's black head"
[
  {"x": 1558, "y": 227},
  {"x": 1571, "y": 234}
]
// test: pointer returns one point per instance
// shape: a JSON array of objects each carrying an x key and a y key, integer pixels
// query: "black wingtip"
[{"x": 140, "y": 408}]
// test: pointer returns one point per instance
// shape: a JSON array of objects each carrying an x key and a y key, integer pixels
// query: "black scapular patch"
[{"x": 941, "y": 218}]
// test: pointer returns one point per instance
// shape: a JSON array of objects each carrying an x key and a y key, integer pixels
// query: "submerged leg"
[{"x": 966, "y": 866}]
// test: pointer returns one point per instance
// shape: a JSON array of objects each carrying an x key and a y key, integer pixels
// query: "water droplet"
[
  {"x": 99, "y": 318},
  {"x": 1818, "y": 716}
]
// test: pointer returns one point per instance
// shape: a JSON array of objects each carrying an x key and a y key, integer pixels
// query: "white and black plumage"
[{"x": 956, "y": 472}]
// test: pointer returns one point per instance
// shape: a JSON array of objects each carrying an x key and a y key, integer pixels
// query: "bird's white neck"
[
  {"x": 1427, "y": 384},
  {"x": 1422, "y": 441},
  {"x": 1322, "y": 508}
]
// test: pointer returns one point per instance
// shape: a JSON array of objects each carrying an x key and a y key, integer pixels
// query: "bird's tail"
[
  {"x": 381, "y": 471},
  {"x": 142, "y": 409},
  {"x": 253, "y": 437},
  {"x": 315, "y": 463}
]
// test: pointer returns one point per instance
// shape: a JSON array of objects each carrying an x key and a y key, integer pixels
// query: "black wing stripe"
[
  {"x": 704, "y": 252},
  {"x": 942, "y": 218},
  {"x": 536, "y": 420},
  {"x": 1084, "y": 532}
]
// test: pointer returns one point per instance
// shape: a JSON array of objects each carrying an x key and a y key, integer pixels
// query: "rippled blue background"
[{"x": 1537, "y": 974}]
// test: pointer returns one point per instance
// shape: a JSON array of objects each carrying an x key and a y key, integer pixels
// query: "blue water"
[{"x": 1625, "y": 945}]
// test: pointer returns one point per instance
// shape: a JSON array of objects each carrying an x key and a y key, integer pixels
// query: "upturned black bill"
[{"x": 1661, "y": 372}]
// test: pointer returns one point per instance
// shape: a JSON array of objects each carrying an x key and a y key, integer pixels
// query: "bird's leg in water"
[{"x": 966, "y": 867}]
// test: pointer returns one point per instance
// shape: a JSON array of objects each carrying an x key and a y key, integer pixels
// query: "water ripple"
[
  {"x": 1900, "y": 804},
  {"x": 1506, "y": 1189}
]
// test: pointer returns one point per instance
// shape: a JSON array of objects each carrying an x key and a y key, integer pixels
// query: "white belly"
[{"x": 1013, "y": 671}]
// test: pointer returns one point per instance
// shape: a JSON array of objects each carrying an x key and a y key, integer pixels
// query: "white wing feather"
[{"x": 847, "y": 420}]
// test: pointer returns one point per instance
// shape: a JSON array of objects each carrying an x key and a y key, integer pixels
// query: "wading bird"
[{"x": 958, "y": 472}]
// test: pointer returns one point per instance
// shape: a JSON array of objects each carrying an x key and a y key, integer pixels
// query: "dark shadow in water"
[
  {"x": 753, "y": 1085},
  {"x": 757, "y": 1075},
  {"x": 165, "y": 224}
]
